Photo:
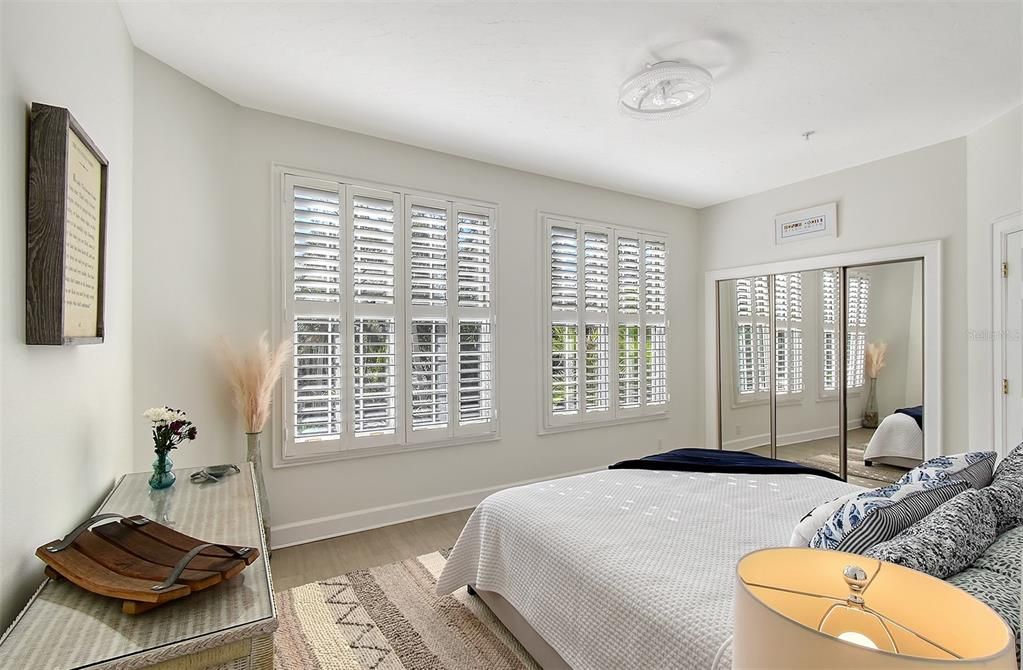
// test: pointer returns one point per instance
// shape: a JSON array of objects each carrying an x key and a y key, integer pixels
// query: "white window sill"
[
  {"x": 382, "y": 450},
  {"x": 605, "y": 423}
]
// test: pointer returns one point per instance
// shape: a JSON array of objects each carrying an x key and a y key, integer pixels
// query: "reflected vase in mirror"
[{"x": 870, "y": 409}]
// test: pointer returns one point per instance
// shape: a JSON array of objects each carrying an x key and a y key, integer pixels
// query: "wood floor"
[{"x": 294, "y": 566}]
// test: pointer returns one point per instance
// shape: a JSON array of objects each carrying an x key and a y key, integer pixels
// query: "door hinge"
[
  {"x": 1005, "y": 269},
  {"x": 1005, "y": 387}
]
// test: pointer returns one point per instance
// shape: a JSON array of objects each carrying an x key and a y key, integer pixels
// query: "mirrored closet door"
[{"x": 786, "y": 343}]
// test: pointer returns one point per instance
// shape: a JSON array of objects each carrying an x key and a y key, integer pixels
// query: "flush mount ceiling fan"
[{"x": 665, "y": 90}]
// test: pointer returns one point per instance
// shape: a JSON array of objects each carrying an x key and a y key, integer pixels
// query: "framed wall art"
[{"x": 66, "y": 231}]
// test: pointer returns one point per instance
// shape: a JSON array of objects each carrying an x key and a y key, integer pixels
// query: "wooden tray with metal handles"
[{"x": 139, "y": 561}]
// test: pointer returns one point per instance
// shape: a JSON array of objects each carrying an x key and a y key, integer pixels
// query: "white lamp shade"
[{"x": 783, "y": 595}]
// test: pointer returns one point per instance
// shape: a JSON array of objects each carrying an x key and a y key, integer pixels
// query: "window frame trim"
[
  {"x": 281, "y": 233},
  {"x": 548, "y": 422}
]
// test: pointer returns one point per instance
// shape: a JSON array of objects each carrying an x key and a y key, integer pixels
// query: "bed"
[
  {"x": 898, "y": 440},
  {"x": 626, "y": 568}
]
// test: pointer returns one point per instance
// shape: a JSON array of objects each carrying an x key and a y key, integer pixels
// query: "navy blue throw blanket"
[
  {"x": 916, "y": 412},
  {"x": 714, "y": 460}
]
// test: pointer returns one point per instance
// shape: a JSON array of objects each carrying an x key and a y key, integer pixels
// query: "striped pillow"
[{"x": 881, "y": 514}]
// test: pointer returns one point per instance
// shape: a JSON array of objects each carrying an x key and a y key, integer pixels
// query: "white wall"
[
  {"x": 186, "y": 135},
  {"x": 994, "y": 182},
  {"x": 916, "y": 196},
  {"x": 64, "y": 418}
]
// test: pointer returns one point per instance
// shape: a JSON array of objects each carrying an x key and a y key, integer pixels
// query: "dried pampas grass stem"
[
  {"x": 876, "y": 355},
  {"x": 253, "y": 374}
]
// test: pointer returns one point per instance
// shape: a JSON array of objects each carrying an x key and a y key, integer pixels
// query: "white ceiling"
[{"x": 534, "y": 85}]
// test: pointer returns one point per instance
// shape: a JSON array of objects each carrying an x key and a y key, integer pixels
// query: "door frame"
[
  {"x": 1001, "y": 228},
  {"x": 930, "y": 252}
]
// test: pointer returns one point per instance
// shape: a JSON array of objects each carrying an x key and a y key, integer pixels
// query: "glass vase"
[
  {"x": 254, "y": 455},
  {"x": 870, "y": 409},
  {"x": 163, "y": 476}
]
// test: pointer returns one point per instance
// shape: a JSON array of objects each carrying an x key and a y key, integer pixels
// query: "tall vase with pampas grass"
[
  {"x": 875, "y": 361},
  {"x": 253, "y": 373}
]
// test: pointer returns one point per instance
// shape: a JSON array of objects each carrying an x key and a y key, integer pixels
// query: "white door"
[{"x": 1013, "y": 337}]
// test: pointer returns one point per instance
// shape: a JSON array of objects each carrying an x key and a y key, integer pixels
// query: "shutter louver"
[
  {"x": 656, "y": 279},
  {"x": 317, "y": 258},
  {"x": 564, "y": 269},
  {"x": 598, "y": 367},
  {"x": 475, "y": 380},
  {"x": 373, "y": 247},
  {"x": 629, "y": 367},
  {"x": 428, "y": 251},
  {"x": 317, "y": 374},
  {"x": 429, "y": 380},
  {"x": 829, "y": 318},
  {"x": 474, "y": 240},
  {"x": 657, "y": 365},
  {"x": 564, "y": 368},
  {"x": 597, "y": 272},
  {"x": 373, "y": 372},
  {"x": 745, "y": 360},
  {"x": 628, "y": 275}
]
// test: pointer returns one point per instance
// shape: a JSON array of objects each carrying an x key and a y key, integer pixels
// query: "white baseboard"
[{"x": 325, "y": 527}]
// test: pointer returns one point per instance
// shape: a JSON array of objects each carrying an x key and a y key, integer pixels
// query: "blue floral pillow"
[
  {"x": 880, "y": 514},
  {"x": 976, "y": 468}
]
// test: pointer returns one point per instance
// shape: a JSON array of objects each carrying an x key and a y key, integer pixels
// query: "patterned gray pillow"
[
  {"x": 994, "y": 590},
  {"x": 945, "y": 541},
  {"x": 1011, "y": 467},
  {"x": 1005, "y": 555}
]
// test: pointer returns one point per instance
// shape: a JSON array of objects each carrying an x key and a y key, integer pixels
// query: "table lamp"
[{"x": 808, "y": 608}]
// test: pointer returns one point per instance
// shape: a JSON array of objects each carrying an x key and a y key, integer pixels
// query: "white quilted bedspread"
[{"x": 630, "y": 569}]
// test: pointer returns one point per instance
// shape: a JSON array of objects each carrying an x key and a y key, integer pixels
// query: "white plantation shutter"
[
  {"x": 596, "y": 321},
  {"x": 606, "y": 322},
  {"x": 474, "y": 319},
  {"x": 655, "y": 258},
  {"x": 313, "y": 239},
  {"x": 858, "y": 301},
  {"x": 753, "y": 332},
  {"x": 788, "y": 314},
  {"x": 390, "y": 301},
  {"x": 375, "y": 232}
]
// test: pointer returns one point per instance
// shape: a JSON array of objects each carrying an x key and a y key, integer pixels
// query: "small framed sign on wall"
[
  {"x": 806, "y": 224},
  {"x": 66, "y": 231}
]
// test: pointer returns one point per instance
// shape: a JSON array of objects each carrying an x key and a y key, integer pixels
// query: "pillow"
[
  {"x": 1006, "y": 497},
  {"x": 1005, "y": 555},
  {"x": 945, "y": 541},
  {"x": 881, "y": 514},
  {"x": 1011, "y": 467},
  {"x": 815, "y": 518},
  {"x": 975, "y": 467},
  {"x": 994, "y": 590}
]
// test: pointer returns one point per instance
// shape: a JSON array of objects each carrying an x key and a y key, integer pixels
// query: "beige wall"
[
  {"x": 221, "y": 210},
  {"x": 64, "y": 411}
]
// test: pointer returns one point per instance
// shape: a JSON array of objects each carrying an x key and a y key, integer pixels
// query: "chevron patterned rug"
[{"x": 388, "y": 618}]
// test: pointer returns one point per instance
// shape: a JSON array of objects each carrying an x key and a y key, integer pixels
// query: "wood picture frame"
[{"x": 65, "y": 232}]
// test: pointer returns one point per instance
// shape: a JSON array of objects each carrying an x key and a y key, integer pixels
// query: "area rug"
[{"x": 388, "y": 618}]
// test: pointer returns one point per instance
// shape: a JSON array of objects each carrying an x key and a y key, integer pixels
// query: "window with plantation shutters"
[
  {"x": 606, "y": 327},
  {"x": 388, "y": 295}
]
